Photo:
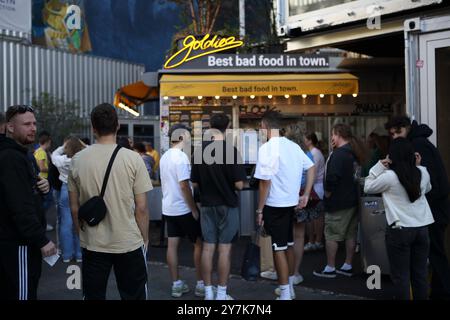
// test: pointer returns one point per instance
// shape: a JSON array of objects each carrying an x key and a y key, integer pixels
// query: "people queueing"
[
  {"x": 68, "y": 238},
  {"x": 42, "y": 157},
  {"x": 301, "y": 216},
  {"x": 341, "y": 199},
  {"x": 121, "y": 239},
  {"x": 403, "y": 184},
  {"x": 437, "y": 198},
  {"x": 180, "y": 210},
  {"x": 23, "y": 241},
  {"x": 279, "y": 169},
  {"x": 139, "y": 147},
  {"x": 218, "y": 175},
  {"x": 315, "y": 210}
]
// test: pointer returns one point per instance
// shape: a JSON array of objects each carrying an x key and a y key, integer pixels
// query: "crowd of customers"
[{"x": 308, "y": 201}]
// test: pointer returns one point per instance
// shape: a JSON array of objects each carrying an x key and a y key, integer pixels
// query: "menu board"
[{"x": 197, "y": 117}]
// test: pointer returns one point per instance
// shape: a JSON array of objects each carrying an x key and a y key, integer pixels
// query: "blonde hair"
[
  {"x": 73, "y": 146},
  {"x": 294, "y": 133}
]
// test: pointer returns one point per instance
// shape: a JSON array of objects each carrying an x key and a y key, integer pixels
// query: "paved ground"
[{"x": 53, "y": 284}]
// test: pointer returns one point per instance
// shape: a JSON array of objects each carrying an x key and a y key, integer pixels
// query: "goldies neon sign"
[{"x": 207, "y": 44}]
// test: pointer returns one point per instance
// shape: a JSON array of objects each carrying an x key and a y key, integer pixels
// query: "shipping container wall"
[{"x": 27, "y": 71}]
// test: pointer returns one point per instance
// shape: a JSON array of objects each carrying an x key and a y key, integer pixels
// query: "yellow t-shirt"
[
  {"x": 155, "y": 155},
  {"x": 40, "y": 155},
  {"x": 118, "y": 232}
]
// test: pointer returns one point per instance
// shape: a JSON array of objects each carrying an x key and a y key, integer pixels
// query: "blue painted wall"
[{"x": 138, "y": 31}]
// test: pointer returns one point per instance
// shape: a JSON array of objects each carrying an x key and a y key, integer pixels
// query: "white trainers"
[
  {"x": 318, "y": 246},
  {"x": 178, "y": 291},
  {"x": 270, "y": 275},
  {"x": 309, "y": 247},
  {"x": 200, "y": 291},
  {"x": 298, "y": 278},
  {"x": 227, "y": 298},
  {"x": 278, "y": 293}
]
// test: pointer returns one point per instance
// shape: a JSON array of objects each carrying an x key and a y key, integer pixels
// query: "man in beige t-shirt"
[{"x": 121, "y": 238}]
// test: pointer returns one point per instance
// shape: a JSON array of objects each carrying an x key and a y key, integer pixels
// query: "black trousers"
[
  {"x": 440, "y": 278},
  {"x": 20, "y": 270},
  {"x": 130, "y": 270},
  {"x": 408, "y": 250}
]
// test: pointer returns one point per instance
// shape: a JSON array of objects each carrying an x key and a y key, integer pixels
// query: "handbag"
[
  {"x": 94, "y": 210},
  {"x": 251, "y": 264}
]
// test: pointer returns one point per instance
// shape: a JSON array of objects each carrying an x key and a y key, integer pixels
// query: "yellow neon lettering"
[{"x": 190, "y": 43}]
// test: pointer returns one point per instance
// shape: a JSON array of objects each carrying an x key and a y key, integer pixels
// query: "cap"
[{"x": 178, "y": 128}]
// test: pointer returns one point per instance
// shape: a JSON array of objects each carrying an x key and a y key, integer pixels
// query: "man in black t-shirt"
[{"x": 218, "y": 173}]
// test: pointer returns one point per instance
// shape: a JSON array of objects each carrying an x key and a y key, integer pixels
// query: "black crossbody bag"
[{"x": 94, "y": 210}]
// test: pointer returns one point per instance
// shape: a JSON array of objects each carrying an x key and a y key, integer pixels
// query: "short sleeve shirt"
[
  {"x": 41, "y": 155},
  {"x": 118, "y": 232},
  {"x": 282, "y": 162},
  {"x": 174, "y": 168}
]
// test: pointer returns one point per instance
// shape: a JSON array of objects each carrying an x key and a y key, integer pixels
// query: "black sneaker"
[
  {"x": 325, "y": 274},
  {"x": 347, "y": 273}
]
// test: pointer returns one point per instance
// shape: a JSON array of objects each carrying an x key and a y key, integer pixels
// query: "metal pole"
[{"x": 242, "y": 19}]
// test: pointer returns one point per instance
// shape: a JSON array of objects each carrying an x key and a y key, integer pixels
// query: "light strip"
[{"x": 128, "y": 109}]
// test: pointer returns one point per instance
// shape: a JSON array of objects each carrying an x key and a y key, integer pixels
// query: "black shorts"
[
  {"x": 278, "y": 223},
  {"x": 185, "y": 225}
]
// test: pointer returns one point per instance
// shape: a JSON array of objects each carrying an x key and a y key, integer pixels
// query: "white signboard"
[{"x": 15, "y": 17}]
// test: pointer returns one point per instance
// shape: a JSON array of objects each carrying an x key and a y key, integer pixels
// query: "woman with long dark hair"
[{"x": 403, "y": 184}]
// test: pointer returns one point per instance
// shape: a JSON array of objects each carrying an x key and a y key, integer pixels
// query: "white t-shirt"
[
  {"x": 282, "y": 162},
  {"x": 174, "y": 168}
]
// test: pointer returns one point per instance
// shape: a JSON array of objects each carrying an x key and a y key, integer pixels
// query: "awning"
[
  {"x": 258, "y": 85},
  {"x": 135, "y": 94}
]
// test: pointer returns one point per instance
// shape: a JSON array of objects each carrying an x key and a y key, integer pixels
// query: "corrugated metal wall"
[{"x": 26, "y": 71}]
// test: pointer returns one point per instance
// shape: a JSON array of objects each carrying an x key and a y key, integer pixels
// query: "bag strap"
[{"x": 108, "y": 171}]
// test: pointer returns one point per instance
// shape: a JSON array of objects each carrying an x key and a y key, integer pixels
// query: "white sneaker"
[
  {"x": 178, "y": 291},
  {"x": 319, "y": 246},
  {"x": 227, "y": 298},
  {"x": 278, "y": 293},
  {"x": 271, "y": 275},
  {"x": 298, "y": 278},
  {"x": 309, "y": 247},
  {"x": 200, "y": 291}
]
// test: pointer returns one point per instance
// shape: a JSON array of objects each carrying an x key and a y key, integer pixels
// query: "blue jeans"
[{"x": 70, "y": 243}]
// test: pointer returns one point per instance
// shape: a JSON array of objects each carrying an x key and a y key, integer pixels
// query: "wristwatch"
[{"x": 259, "y": 211}]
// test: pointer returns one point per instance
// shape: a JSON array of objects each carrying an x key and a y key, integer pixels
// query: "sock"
[
  {"x": 209, "y": 294},
  {"x": 329, "y": 269},
  {"x": 221, "y": 293},
  {"x": 346, "y": 267},
  {"x": 200, "y": 284},
  {"x": 285, "y": 292},
  {"x": 177, "y": 283}
]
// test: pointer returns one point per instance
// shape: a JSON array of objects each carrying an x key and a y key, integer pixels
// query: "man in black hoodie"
[
  {"x": 437, "y": 198},
  {"x": 22, "y": 220}
]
